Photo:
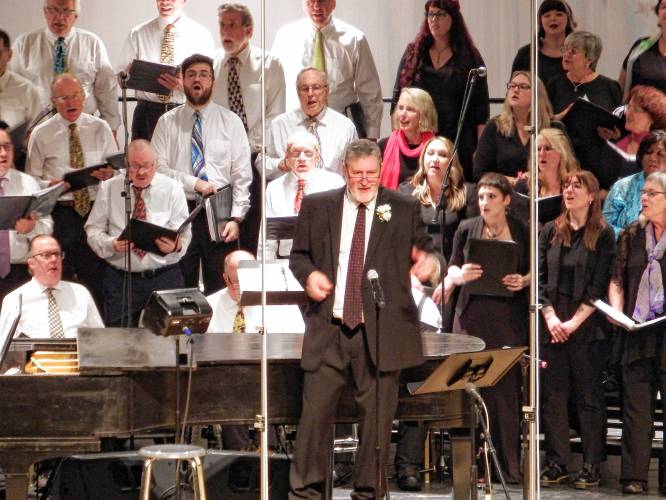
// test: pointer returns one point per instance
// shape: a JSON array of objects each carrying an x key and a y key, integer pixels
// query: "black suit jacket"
[{"x": 316, "y": 246}]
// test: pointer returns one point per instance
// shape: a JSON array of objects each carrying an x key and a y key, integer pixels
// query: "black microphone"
[
  {"x": 471, "y": 389},
  {"x": 377, "y": 292},
  {"x": 479, "y": 72},
  {"x": 123, "y": 75}
]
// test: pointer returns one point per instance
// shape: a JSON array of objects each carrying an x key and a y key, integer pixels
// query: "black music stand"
[
  {"x": 281, "y": 286},
  {"x": 279, "y": 229},
  {"x": 483, "y": 369}
]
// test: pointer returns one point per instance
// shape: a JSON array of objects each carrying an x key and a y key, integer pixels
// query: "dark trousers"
[
  {"x": 202, "y": 251},
  {"x": 18, "y": 274},
  {"x": 81, "y": 264},
  {"x": 574, "y": 368},
  {"x": 640, "y": 382},
  {"x": 115, "y": 302},
  {"x": 348, "y": 355},
  {"x": 249, "y": 235},
  {"x": 409, "y": 451},
  {"x": 145, "y": 118}
]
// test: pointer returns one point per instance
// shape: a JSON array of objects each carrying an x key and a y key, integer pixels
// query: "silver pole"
[{"x": 531, "y": 491}]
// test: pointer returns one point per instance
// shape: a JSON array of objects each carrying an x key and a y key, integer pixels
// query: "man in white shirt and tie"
[
  {"x": 285, "y": 194},
  {"x": 70, "y": 140},
  {"x": 204, "y": 147},
  {"x": 49, "y": 306},
  {"x": 61, "y": 47},
  {"x": 167, "y": 39},
  {"x": 334, "y": 131},
  {"x": 343, "y": 53}
]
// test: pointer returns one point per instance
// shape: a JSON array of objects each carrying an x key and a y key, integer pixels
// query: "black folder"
[
  {"x": 549, "y": 207},
  {"x": 81, "y": 178},
  {"x": 143, "y": 76},
  {"x": 13, "y": 208},
  {"x": 584, "y": 117},
  {"x": 497, "y": 258}
]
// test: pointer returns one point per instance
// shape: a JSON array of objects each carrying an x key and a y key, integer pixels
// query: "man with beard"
[{"x": 204, "y": 146}]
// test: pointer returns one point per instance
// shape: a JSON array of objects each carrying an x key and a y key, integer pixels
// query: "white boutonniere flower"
[{"x": 383, "y": 212}]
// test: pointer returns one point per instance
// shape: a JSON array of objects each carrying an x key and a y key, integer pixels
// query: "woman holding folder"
[
  {"x": 637, "y": 288},
  {"x": 576, "y": 253},
  {"x": 498, "y": 320}
]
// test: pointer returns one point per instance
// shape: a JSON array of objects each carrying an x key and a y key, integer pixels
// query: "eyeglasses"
[
  {"x": 311, "y": 3},
  {"x": 369, "y": 178},
  {"x": 432, "y": 16},
  {"x": 649, "y": 193},
  {"x": 573, "y": 185},
  {"x": 47, "y": 256},
  {"x": 54, "y": 11},
  {"x": 295, "y": 154},
  {"x": 71, "y": 97},
  {"x": 135, "y": 167},
  {"x": 7, "y": 146},
  {"x": 518, "y": 86},
  {"x": 304, "y": 89},
  {"x": 204, "y": 75}
]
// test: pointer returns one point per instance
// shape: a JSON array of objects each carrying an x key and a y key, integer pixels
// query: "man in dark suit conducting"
[{"x": 340, "y": 235}]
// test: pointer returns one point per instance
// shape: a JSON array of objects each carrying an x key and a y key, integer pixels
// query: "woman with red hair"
[{"x": 438, "y": 61}]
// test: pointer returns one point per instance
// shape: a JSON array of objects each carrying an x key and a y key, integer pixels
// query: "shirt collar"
[
  {"x": 354, "y": 204},
  {"x": 305, "y": 118},
  {"x": 243, "y": 56},
  {"x": 175, "y": 20},
  {"x": 203, "y": 112},
  {"x": 65, "y": 123},
  {"x": 43, "y": 288},
  {"x": 53, "y": 38},
  {"x": 326, "y": 29}
]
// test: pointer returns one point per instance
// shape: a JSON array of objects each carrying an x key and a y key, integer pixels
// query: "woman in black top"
[
  {"x": 556, "y": 22},
  {"x": 576, "y": 253},
  {"x": 637, "y": 289},
  {"x": 439, "y": 61}
]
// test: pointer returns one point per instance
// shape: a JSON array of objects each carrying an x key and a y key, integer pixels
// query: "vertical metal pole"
[{"x": 531, "y": 490}]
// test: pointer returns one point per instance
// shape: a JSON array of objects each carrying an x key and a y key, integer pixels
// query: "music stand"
[
  {"x": 279, "y": 229},
  {"x": 281, "y": 286},
  {"x": 483, "y": 369}
]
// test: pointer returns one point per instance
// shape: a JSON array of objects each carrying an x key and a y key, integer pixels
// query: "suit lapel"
[
  {"x": 335, "y": 224},
  {"x": 378, "y": 228}
]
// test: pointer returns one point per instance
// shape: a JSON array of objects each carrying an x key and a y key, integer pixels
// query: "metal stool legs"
[{"x": 193, "y": 455}]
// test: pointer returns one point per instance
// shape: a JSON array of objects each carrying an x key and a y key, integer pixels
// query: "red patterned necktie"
[
  {"x": 352, "y": 312},
  {"x": 299, "y": 196},
  {"x": 139, "y": 213}
]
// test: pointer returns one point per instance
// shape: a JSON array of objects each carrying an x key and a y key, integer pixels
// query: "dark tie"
[
  {"x": 139, "y": 213},
  {"x": 352, "y": 312},
  {"x": 234, "y": 91},
  {"x": 197, "y": 152},
  {"x": 299, "y": 196},
  {"x": 55, "y": 323},
  {"x": 5, "y": 257},
  {"x": 59, "y": 64},
  {"x": 81, "y": 196}
]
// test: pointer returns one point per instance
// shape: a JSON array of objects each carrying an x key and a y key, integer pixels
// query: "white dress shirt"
[
  {"x": 145, "y": 42},
  {"x": 335, "y": 130},
  {"x": 165, "y": 206},
  {"x": 77, "y": 309},
  {"x": 279, "y": 319},
  {"x": 226, "y": 151},
  {"x": 48, "y": 148},
  {"x": 18, "y": 183},
  {"x": 280, "y": 197},
  {"x": 19, "y": 99},
  {"x": 351, "y": 71},
  {"x": 349, "y": 210},
  {"x": 86, "y": 57},
  {"x": 249, "y": 75}
]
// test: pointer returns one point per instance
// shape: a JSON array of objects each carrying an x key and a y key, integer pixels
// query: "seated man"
[
  {"x": 49, "y": 306},
  {"x": 284, "y": 194},
  {"x": 156, "y": 199},
  {"x": 14, "y": 243},
  {"x": 230, "y": 316}
]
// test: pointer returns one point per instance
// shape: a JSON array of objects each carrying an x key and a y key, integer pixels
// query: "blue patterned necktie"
[
  {"x": 198, "y": 160},
  {"x": 59, "y": 65}
]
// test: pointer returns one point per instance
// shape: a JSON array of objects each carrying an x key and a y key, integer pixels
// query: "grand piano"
[{"x": 126, "y": 386}]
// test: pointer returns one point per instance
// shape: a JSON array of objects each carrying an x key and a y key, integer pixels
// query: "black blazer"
[{"x": 316, "y": 246}]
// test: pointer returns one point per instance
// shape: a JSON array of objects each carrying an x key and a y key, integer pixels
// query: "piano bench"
[{"x": 193, "y": 455}]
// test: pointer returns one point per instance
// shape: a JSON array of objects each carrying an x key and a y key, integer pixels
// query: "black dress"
[
  {"x": 408, "y": 166},
  {"x": 499, "y": 153},
  {"x": 649, "y": 68},
  {"x": 549, "y": 67},
  {"x": 446, "y": 86}
]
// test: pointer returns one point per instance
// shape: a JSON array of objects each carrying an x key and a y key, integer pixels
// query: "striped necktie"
[
  {"x": 81, "y": 196},
  {"x": 56, "y": 330},
  {"x": 60, "y": 63},
  {"x": 197, "y": 153},
  {"x": 234, "y": 91}
]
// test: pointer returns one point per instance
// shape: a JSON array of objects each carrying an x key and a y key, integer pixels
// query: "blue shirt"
[{"x": 623, "y": 203}]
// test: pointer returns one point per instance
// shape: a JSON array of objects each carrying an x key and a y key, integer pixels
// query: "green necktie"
[{"x": 318, "y": 59}]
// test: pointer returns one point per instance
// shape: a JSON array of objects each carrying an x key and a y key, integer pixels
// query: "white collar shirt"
[
  {"x": 18, "y": 183},
  {"x": 350, "y": 67},
  {"x": 226, "y": 151},
  {"x": 19, "y": 99},
  {"x": 165, "y": 206},
  {"x": 249, "y": 76},
  {"x": 145, "y": 42},
  {"x": 86, "y": 57},
  {"x": 48, "y": 148}
]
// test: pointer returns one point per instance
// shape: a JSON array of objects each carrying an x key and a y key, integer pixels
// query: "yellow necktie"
[
  {"x": 318, "y": 59},
  {"x": 166, "y": 54},
  {"x": 239, "y": 321},
  {"x": 81, "y": 196}
]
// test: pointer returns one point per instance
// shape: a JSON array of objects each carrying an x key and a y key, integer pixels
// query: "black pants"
[
  {"x": 640, "y": 382},
  {"x": 321, "y": 393},
  {"x": 145, "y": 118},
  {"x": 115, "y": 303},
  {"x": 249, "y": 235}
]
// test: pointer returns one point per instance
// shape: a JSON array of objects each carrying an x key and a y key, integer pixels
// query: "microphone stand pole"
[
  {"x": 472, "y": 78},
  {"x": 127, "y": 194},
  {"x": 378, "y": 449}
]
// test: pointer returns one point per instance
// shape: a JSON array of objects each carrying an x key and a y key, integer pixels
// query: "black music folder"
[
  {"x": 584, "y": 117},
  {"x": 17, "y": 135},
  {"x": 497, "y": 258},
  {"x": 143, "y": 76},
  {"x": 15, "y": 207},
  {"x": 81, "y": 178},
  {"x": 549, "y": 207},
  {"x": 218, "y": 212}
]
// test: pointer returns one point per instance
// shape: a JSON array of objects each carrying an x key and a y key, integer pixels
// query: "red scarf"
[{"x": 396, "y": 146}]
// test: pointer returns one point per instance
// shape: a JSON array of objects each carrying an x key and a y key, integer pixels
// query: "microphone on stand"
[
  {"x": 471, "y": 389},
  {"x": 377, "y": 291},
  {"x": 479, "y": 72}
]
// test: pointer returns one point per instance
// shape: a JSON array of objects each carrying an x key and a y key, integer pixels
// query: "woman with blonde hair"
[{"x": 414, "y": 122}]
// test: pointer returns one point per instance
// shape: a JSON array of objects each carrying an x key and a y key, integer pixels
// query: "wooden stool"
[{"x": 191, "y": 454}]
